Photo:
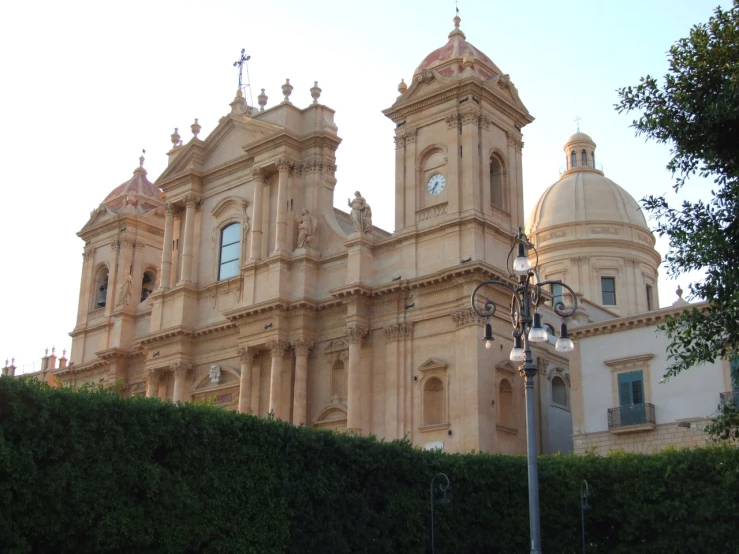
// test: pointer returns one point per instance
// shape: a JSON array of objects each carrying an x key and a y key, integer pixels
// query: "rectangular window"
[
  {"x": 631, "y": 398},
  {"x": 608, "y": 286},
  {"x": 649, "y": 297},
  {"x": 557, "y": 296}
]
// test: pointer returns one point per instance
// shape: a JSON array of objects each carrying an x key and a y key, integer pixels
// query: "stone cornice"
[
  {"x": 82, "y": 368},
  {"x": 454, "y": 90},
  {"x": 630, "y": 322},
  {"x": 628, "y": 360},
  {"x": 163, "y": 335},
  {"x": 285, "y": 138}
]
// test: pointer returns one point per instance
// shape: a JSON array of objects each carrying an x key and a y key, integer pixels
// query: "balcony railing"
[
  {"x": 731, "y": 397},
  {"x": 633, "y": 414}
]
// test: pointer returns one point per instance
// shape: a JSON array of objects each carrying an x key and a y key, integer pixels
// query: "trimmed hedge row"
[{"x": 92, "y": 472}]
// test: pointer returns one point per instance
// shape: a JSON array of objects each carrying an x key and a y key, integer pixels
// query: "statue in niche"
[
  {"x": 124, "y": 293},
  {"x": 306, "y": 229},
  {"x": 361, "y": 214},
  {"x": 215, "y": 374}
]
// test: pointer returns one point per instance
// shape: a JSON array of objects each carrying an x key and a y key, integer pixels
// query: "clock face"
[{"x": 436, "y": 183}]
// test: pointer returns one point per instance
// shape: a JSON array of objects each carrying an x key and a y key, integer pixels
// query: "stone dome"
[
  {"x": 449, "y": 60},
  {"x": 585, "y": 197},
  {"x": 590, "y": 233},
  {"x": 137, "y": 195},
  {"x": 584, "y": 194}
]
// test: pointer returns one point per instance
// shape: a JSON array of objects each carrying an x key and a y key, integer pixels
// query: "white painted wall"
[{"x": 692, "y": 394}]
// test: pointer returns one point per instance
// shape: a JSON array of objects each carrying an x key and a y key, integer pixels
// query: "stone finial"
[
  {"x": 195, "y": 128},
  {"x": 53, "y": 350},
  {"x": 141, "y": 161},
  {"x": 287, "y": 90},
  {"x": 679, "y": 292},
  {"x": 262, "y": 101},
  {"x": 175, "y": 137},
  {"x": 315, "y": 92},
  {"x": 46, "y": 352},
  {"x": 64, "y": 352},
  {"x": 467, "y": 60},
  {"x": 402, "y": 87},
  {"x": 238, "y": 106}
]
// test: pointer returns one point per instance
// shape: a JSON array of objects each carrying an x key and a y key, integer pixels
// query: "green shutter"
[{"x": 630, "y": 388}]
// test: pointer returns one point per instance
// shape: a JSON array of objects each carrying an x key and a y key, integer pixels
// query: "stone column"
[
  {"x": 260, "y": 178},
  {"x": 166, "y": 269},
  {"x": 180, "y": 371},
  {"x": 283, "y": 166},
  {"x": 354, "y": 333},
  {"x": 87, "y": 285},
  {"x": 278, "y": 349},
  {"x": 190, "y": 202},
  {"x": 248, "y": 355},
  {"x": 302, "y": 349},
  {"x": 152, "y": 383}
]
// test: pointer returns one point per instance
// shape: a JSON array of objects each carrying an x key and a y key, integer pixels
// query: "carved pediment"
[
  {"x": 433, "y": 364},
  {"x": 227, "y": 377},
  {"x": 507, "y": 366},
  {"x": 229, "y": 203},
  {"x": 336, "y": 345}
]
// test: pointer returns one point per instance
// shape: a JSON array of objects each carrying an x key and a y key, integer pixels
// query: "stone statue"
[
  {"x": 124, "y": 293},
  {"x": 215, "y": 374},
  {"x": 361, "y": 214},
  {"x": 306, "y": 229}
]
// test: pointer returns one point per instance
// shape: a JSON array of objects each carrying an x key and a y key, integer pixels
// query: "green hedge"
[{"x": 92, "y": 472}]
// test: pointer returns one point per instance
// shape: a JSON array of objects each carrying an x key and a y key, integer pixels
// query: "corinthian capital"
[
  {"x": 260, "y": 175},
  {"x": 248, "y": 354},
  {"x": 303, "y": 347},
  {"x": 284, "y": 164},
  {"x": 355, "y": 333},
  {"x": 278, "y": 348},
  {"x": 191, "y": 200},
  {"x": 180, "y": 369}
]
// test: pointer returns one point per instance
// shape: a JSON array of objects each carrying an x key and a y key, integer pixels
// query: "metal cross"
[
  {"x": 240, "y": 63},
  {"x": 456, "y": 5},
  {"x": 577, "y": 120}
]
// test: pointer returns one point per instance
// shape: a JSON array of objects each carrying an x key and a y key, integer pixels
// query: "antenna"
[{"x": 241, "y": 63}]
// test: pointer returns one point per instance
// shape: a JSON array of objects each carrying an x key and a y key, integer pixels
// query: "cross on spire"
[
  {"x": 577, "y": 120},
  {"x": 456, "y": 6},
  {"x": 240, "y": 63}
]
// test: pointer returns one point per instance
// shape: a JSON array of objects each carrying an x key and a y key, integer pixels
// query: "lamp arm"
[
  {"x": 559, "y": 308},
  {"x": 489, "y": 307}
]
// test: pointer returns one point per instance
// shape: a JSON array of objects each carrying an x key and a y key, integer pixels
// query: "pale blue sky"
[{"x": 87, "y": 85}]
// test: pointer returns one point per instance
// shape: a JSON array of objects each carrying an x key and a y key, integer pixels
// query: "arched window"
[
  {"x": 230, "y": 247},
  {"x": 559, "y": 391},
  {"x": 433, "y": 401},
  {"x": 505, "y": 402},
  {"x": 574, "y": 159},
  {"x": 101, "y": 288},
  {"x": 338, "y": 379},
  {"x": 148, "y": 282},
  {"x": 584, "y": 157},
  {"x": 592, "y": 155},
  {"x": 496, "y": 182}
]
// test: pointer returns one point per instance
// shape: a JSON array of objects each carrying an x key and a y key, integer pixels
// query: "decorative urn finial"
[
  {"x": 315, "y": 92},
  {"x": 262, "y": 101},
  {"x": 195, "y": 128},
  {"x": 287, "y": 90},
  {"x": 175, "y": 137},
  {"x": 402, "y": 87}
]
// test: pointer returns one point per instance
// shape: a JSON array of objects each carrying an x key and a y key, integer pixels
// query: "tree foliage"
[
  {"x": 92, "y": 472},
  {"x": 695, "y": 109}
]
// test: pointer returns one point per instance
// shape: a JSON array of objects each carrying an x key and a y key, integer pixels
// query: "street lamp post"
[
  {"x": 527, "y": 328},
  {"x": 443, "y": 487}
]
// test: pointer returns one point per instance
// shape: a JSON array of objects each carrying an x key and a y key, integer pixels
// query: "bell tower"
[{"x": 458, "y": 141}]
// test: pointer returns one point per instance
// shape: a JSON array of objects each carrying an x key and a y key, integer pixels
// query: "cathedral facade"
[{"x": 233, "y": 278}]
